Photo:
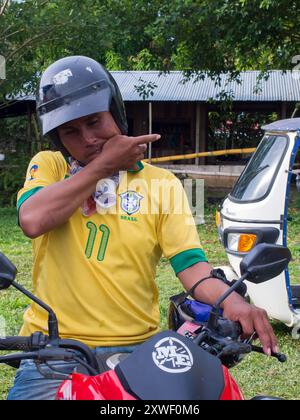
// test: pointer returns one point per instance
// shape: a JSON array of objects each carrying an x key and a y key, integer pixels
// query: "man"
[{"x": 97, "y": 243}]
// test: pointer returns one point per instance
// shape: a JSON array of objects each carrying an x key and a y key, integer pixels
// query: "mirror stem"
[
  {"x": 52, "y": 320},
  {"x": 230, "y": 290},
  {"x": 215, "y": 312}
]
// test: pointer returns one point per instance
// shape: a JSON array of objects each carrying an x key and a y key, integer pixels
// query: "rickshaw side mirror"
[
  {"x": 265, "y": 262},
  {"x": 8, "y": 272}
]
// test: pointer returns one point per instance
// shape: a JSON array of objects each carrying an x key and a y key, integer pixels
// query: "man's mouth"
[{"x": 95, "y": 151}]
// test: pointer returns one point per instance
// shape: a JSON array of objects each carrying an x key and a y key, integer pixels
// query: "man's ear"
[{"x": 54, "y": 136}]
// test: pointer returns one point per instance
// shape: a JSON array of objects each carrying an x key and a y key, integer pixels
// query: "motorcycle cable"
[
  {"x": 60, "y": 375},
  {"x": 55, "y": 376}
]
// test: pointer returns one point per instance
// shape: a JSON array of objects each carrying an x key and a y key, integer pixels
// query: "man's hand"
[
  {"x": 122, "y": 152},
  {"x": 252, "y": 319}
]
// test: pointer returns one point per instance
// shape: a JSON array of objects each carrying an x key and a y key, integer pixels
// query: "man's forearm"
[
  {"x": 211, "y": 289},
  {"x": 53, "y": 205}
]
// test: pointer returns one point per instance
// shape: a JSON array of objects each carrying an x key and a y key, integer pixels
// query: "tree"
[
  {"x": 32, "y": 33},
  {"x": 226, "y": 35},
  {"x": 195, "y": 36}
]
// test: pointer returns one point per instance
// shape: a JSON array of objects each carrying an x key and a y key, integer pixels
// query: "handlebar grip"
[
  {"x": 15, "y": 343},
  {"x": 36, "y": 341}
]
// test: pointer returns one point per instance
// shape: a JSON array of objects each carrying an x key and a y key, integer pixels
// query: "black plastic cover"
[
  {"x": 264, "y": 262},
  {"x": 171, "y": 367}
]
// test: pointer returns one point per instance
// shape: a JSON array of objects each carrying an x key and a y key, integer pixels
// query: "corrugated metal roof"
[{"x": 281, "y": 87}]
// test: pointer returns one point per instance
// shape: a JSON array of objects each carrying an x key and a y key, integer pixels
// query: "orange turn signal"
[
  {"x": 246, "y": 242},
  {"x": 218, "y": 218}
]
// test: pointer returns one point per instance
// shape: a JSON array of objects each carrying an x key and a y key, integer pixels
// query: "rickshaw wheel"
[{"x": 296, "y": 331}]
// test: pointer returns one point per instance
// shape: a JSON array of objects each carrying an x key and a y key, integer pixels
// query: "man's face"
[{"x": 84, "y": 137}]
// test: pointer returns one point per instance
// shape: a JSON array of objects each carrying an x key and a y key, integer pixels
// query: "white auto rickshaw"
[{"x": 256, "y": 211}]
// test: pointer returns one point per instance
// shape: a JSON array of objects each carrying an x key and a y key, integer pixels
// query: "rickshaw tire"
[{"x": 296, "y": 332}]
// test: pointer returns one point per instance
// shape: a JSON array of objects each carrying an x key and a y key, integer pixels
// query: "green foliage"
[
  {"x": 36, "y": 33},
  {"x": 231, "y": 130},
  {"x": 12, "y": 168},
  {"x": 145, "y": 89},
  {"x": 192, "y": 35},
  {"x": 218, "y": 36},
  {"x": 18, "y": 150},
  {"x": 11, "y": 180}
]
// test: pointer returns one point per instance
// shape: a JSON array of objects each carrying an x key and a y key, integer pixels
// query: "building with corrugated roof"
[{"x": 179, "y": 109}]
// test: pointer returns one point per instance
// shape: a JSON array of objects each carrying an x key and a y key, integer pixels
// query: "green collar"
[{"x": 137, "y": 167}]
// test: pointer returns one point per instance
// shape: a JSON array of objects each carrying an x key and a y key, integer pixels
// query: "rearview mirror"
[
  {"x": 265, "y": 262},
  {"x": 8, "y": 272}
]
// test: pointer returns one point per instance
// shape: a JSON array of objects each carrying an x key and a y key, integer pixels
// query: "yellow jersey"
[{"x": 98, "y": 272}]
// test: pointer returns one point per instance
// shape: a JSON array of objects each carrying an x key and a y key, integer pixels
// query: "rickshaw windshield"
[{"x": 257, "y": 179}]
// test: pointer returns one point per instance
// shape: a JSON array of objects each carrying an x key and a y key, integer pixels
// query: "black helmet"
[{"x": 75, "y": 87}]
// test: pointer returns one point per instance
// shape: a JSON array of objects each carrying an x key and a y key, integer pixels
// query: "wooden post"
[
  {"x": 201, "y": 131},
  {"x": 283, "y": 110},
  {"x": 197, "y": 149},
  {"x": 150, "y": 132}
]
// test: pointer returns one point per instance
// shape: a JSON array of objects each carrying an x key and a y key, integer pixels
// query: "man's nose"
[{"x": 88, "y": 136}]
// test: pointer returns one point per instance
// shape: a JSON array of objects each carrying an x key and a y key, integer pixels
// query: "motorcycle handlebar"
[
  {"x": 41, "y": 355},
  {"x": 16, "y": 343},
  {"x": 34, "y": 342},
  {"x": 39, "y": 341}
]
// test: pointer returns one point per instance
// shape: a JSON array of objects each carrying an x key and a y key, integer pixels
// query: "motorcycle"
[{"x": 189, "y": 364}]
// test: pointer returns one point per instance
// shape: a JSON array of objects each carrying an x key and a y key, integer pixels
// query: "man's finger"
[
  {"x": 247, "y": 326},
  {"x": 265, "y": 334},
  {"x": 148, "y": 138}
]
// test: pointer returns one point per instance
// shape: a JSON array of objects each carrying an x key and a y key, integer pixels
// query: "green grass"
[{"x": 256, "y": 374}]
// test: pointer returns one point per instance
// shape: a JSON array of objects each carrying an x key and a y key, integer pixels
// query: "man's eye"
[{"x": 93, "y": 122}]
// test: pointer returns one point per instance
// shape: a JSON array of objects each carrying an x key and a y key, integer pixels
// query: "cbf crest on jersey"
[
  {"x": 32, "y": 172},
  {"x": 130, "y": 202}
]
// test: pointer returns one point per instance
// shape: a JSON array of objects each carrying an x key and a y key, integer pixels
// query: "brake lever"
[
  {"x": 279, "y": 356},
  {"x": 235, "y": 348}
]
